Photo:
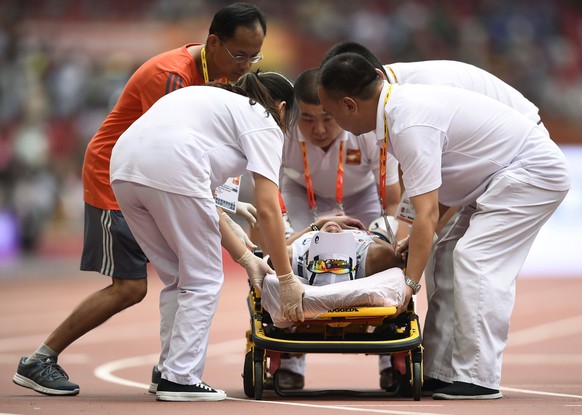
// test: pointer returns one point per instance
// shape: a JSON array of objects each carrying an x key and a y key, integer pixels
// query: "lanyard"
[
  {"x": 204, "y": 64},
  {"x": 384, "y": 156},
  {"x": 282, "y": 204},
  {"x": 339, "y": 183}
]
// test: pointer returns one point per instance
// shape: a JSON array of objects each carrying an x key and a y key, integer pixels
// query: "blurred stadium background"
[{"x": 64, "y": 62}]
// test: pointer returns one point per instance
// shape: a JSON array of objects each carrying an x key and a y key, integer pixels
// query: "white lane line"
[
  {"x": 548, "y": 331},
  {"x": 105, "y": 371},
  {"x": 341, "y": 408},
  {"x": 542, "y": 359},
  {"x": 533, "y": 392}
]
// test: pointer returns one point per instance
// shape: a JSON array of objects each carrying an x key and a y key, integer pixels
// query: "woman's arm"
[{"x": 273, "y": 235}]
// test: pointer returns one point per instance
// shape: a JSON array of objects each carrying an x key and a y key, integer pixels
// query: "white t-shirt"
[
  {"x": 361, "y": 163},
  {"x": 301, "y": 257},
  {"x": 193, "y": 139},
  {"x": 456, "y": 141},
  {"x": 461, "y": 75}
]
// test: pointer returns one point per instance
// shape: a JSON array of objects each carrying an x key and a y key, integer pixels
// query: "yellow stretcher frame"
[{"x": 264, "y": 340}]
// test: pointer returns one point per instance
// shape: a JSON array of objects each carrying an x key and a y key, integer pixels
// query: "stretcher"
[{"x": 346, "y": 330}]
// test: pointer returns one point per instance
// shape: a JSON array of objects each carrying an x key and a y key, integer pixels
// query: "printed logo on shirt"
[{"x": 353, "y": 156}]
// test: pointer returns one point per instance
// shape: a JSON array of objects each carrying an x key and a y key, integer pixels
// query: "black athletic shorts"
[{"x": 109, "y": 247}]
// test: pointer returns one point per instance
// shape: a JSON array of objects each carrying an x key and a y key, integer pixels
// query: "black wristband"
[{"x": 313, "y": 227}]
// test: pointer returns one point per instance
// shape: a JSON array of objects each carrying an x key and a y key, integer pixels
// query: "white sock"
[{"x": 42, "y": 351}]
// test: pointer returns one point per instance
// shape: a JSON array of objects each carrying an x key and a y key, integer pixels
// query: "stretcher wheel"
[
  {"x": 416, "y": 381},
  {"x": 248, "y": 383},
  {"x": 259, "y": 373}
]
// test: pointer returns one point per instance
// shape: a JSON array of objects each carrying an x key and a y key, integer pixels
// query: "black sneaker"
[
  {"x": 175, "y": 392},
  {"x": 156, "y": 376},
  {"x": 430, "y": 385},
  {"x": 387, "y": 379},
  {"x": 287, "y": 380},
  {"x": 463, "y": 390},
  {"x": 45, "y": 376}
]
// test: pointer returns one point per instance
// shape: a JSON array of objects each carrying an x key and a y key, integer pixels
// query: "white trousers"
[
  {"x": 364, "y": 205},
  {"x": 471, "y": 294},
  {"x": 180, "y": 236}
]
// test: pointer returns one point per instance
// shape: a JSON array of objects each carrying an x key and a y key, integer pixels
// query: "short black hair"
[
  {"x": 348, "y": 74},
  {"x": 227, "y": 19},
  {"x": 354, "y": 47},
  {"x": 306, "y": 87}
]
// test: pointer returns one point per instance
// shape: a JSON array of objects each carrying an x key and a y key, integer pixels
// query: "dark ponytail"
[{"x": 269, "y": 89}]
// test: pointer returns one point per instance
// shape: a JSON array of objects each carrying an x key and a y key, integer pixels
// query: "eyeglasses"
[
  {"x": 333, "y": 266},
  {"x": 242, "y": 58}
]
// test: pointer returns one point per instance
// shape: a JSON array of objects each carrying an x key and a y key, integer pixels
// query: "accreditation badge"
[
  {"x": 405, "y": 212},
  {"x": 226, "y": 195}
]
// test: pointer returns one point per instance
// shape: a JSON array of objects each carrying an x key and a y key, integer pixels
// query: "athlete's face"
[
  {"x": 234, "y": 57},
  {"x": 331, "y": 227},
  {"x": 317, "y": 126}
]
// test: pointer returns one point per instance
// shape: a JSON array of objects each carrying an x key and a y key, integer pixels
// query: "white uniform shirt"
[
  {"x": 301, "y": 252},
  {"x": 461, "y": 75},
  {"x": 457, "y": 141},
  {"x": 361, "y": 166},
  {"x": 192, "y": 140}
]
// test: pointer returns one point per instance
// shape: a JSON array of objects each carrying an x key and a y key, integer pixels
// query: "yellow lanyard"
[
  {"x": 384, "y": 156},
  {"x": 204, "y": 64},
  {"x": 339, "y": 183},
  {"x": 393, "y": 74}
]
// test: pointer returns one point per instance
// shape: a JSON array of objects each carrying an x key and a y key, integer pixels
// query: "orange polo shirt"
[{"x": 157, "y": 77}]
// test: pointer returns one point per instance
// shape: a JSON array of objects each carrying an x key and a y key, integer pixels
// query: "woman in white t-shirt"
[{"x": 163, "y": 171}]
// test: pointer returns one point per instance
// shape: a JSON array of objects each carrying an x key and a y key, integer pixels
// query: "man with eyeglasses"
[{"x": 233, "y": 44}]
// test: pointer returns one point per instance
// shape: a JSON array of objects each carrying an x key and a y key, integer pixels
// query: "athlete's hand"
[
  {"x": 256, "y": 268},
  {"x": 239, "y": 232},
  {"x": 247, "y": 211},
  {"x": 291, "y": 295}
]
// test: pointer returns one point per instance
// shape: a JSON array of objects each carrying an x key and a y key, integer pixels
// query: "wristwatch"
[
  {"x": 414, "y": 285},
  {"x": 313, "y": 227}
]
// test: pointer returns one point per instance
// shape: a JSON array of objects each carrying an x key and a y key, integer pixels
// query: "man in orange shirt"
[{"x": 233, "y": 44}]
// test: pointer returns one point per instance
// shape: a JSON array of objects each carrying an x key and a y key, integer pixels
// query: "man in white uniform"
[
  {"x": 342, "y": 173},
  {"x": 460, "y": 75},
  {"x": 163, "y": 170},
  {"x": 458, "y": 148},
  {"x": 328, "y": 171}
]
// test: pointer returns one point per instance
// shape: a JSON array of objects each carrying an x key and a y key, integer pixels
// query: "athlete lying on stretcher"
[{"x": 340, "y": 268}]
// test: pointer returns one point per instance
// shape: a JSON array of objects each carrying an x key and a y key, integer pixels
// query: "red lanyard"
[
  {"x": 384, "y": 156},
  {"x": 282, "y": 204},
  {"x": 339, "y": 183}
]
